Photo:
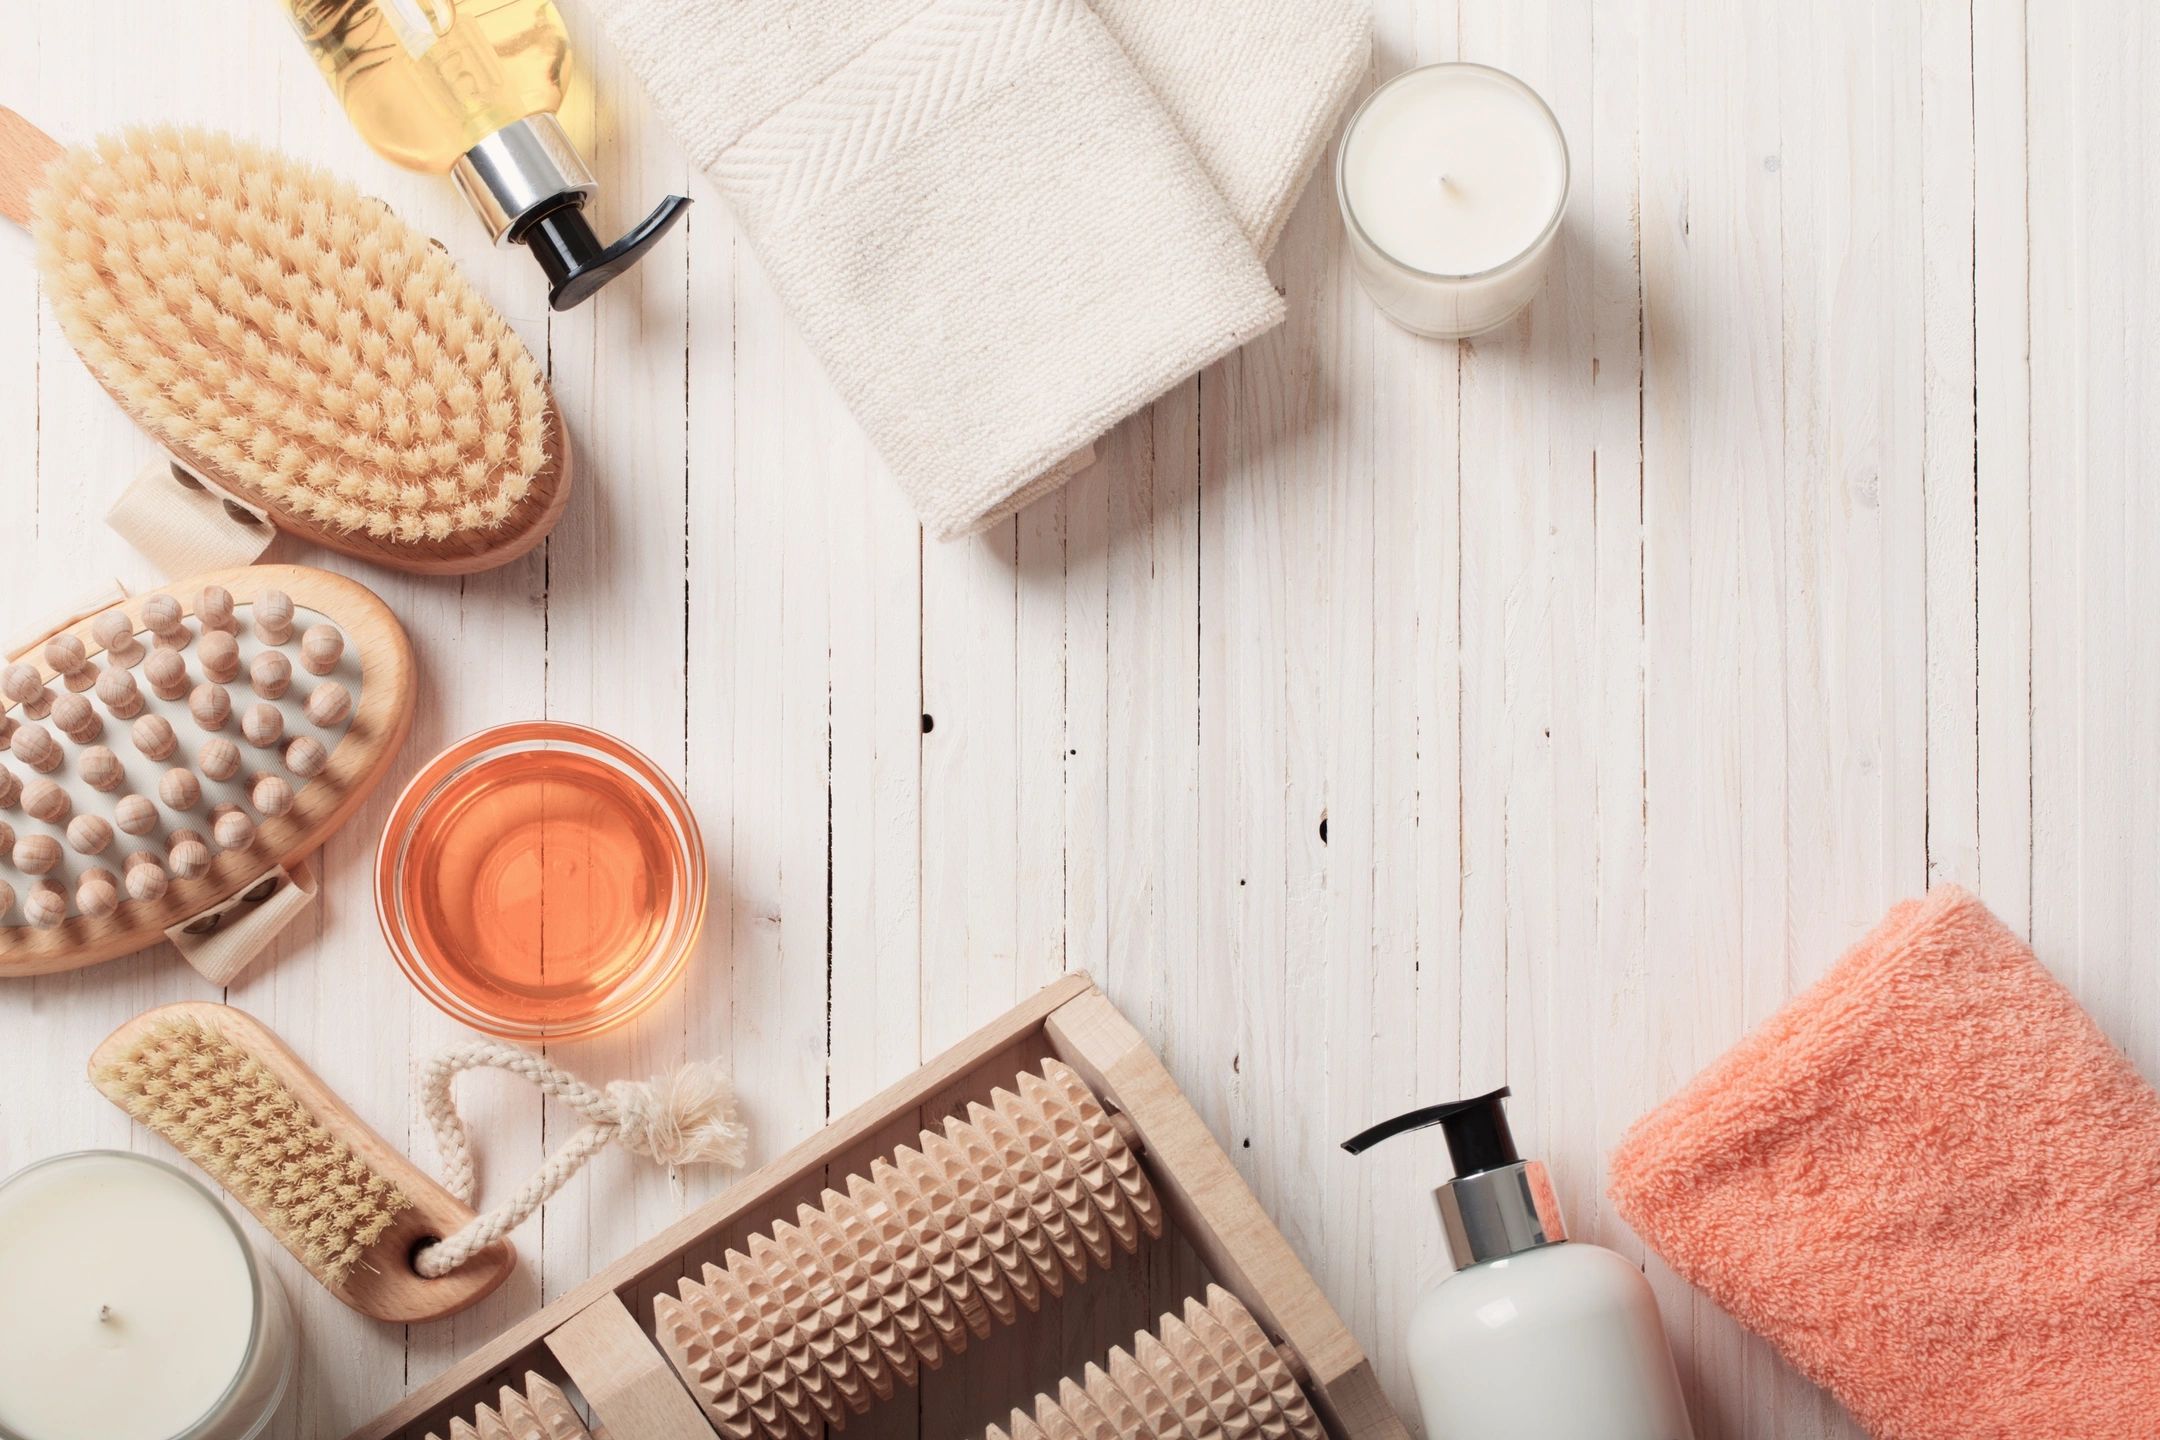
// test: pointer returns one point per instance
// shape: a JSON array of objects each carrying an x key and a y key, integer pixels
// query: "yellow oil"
[{"x": 426, "y": 80}]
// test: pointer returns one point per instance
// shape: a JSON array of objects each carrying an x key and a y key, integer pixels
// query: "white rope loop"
[{"x": 684, "y": 1118}]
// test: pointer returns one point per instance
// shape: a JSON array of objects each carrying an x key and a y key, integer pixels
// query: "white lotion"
[
  {"x": 130, "y": 1308},
  {"x": 1534, "y": 1337},
  {"x": 1452, "y": 180}
]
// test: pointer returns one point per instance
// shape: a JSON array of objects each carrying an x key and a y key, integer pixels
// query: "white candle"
[
  {"x": 132, "y": 1309},
  {"x": 1452, "y": 180}
]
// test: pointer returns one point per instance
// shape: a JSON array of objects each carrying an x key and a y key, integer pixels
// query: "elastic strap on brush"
[
  {"x": 185, "y": 525},
  {"x": 686, "y": 1118}
]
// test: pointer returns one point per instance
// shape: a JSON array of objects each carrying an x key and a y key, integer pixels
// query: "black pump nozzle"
[
  {"x": 526, "y": 183},
  {"x": 576, "y": 263},
  {"x": 1477, "y": 1132}
]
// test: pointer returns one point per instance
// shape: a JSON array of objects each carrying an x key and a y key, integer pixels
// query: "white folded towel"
[
  {"x": 1256, "y": 88},
  {"x": 992, "y": 232}
]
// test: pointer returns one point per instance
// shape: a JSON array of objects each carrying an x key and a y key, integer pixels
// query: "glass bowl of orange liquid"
[{"x": 541, "y": 881}]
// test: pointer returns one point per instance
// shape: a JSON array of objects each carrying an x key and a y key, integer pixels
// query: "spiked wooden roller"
[
  {"x": 1211, "y": 1373},
  {"x": 1045, "y": 1147},
  {"x": 540, "y": 1411},
  {"x": 981, "y": 1218}
]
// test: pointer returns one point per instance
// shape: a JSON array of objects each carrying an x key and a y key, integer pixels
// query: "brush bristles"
[
  {"x": 223, "y": 1108},
  {"x": 291, "y": 334}
]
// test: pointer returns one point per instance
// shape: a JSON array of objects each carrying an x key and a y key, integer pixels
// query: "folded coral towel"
[
  {"x": 1933, "y": 1184},
  {"x": 988, "y": 228}
]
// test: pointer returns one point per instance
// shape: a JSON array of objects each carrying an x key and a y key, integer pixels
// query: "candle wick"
[{"x": 104, "y": 1314}]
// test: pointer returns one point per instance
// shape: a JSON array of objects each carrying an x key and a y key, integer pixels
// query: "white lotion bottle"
[{"x": 1534, "y": 1337}]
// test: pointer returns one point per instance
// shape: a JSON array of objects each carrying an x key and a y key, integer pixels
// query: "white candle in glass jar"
[
  {"x": 131, "y": 1308},
  {"x": 1452, "y": 181}
]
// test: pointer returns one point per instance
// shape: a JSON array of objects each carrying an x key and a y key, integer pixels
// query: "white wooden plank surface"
[{"x": 1789, "y": 555}]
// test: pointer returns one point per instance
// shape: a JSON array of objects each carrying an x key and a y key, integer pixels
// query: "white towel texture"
[
  {"x": 1256, "y": 88},
  {"x": 998, "y": 233}
]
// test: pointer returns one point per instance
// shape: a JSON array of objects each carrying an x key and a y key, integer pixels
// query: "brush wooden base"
[
  {"x": 608, "y": 1339},
  {"x": 281, "y": 194},
  {"x": 318, "y": 791}
]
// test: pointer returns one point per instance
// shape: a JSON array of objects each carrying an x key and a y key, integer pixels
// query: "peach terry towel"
[{"x": 1933, "y": 1184}]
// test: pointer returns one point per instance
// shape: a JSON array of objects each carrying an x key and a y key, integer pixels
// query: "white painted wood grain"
[{"x": 1789, "y": 555}]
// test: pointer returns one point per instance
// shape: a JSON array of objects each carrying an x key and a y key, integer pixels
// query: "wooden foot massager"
[{"x": 951, "y": 1207}]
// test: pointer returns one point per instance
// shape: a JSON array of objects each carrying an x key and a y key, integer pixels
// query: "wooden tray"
[{"x": 599, "y": 1337}]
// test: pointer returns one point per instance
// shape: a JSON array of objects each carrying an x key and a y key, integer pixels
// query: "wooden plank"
[
  {"x": 1619, "y": 1031},
  {"x": 629, "y": 1384},
  {"x": 2002, "y": 469},
  {"x": 1218, "y": 1215},
  {"x": 980, "y": 808},
  {"x": 749, "y": 1196},
  {"x": 618, "y": 589},
  {"x": 1408, "y": 428},
  {"x": 1950, "y": 553},
  {"x": 2093, "y": 166}
]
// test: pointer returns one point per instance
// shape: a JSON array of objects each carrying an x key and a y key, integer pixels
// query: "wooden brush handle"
[
  {"x": 384, "y": 1287},
  {"x": 25, "y": 152}
]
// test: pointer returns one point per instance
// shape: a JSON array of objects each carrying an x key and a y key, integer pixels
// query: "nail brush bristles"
[
  {"x": 291, "y": 334},
  {"x": 223, "y": 1108}
]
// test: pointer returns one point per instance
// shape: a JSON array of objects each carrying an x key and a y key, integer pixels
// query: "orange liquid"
[{"x": 539, "y": 883}]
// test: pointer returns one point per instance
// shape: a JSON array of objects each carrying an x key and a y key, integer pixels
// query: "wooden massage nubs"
[
  {"x": 537, "y": 1412},
  {"x": 1210, "y": 1375},
  {"x": 973, "y": 1224},
  {"x": 860, "y": 1276},
  {"x": 169, "y": 762}
]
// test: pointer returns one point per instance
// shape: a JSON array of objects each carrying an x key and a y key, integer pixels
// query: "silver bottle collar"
[
  {"x": 1497, "y": 1213},
  {"x": 524, "y": 169}
]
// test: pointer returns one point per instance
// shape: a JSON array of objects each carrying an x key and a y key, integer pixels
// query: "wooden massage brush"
[
  {"x": 231, "y": 1097},
  {"x": 167, "y": 763},
  {"x": 295, "y": 347},
  {"x": 1048, "y": 1143}
]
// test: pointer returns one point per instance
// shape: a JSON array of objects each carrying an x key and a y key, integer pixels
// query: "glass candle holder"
[
  {"x": 1452, "y": 180},
  {"x": 541, "y": 881},
  {"x": 133, "y": 1308}
]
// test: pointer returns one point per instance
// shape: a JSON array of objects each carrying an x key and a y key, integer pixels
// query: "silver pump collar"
[
  {"x": 524, "y": 169},
  {"x": 1497, "y": 1213}
]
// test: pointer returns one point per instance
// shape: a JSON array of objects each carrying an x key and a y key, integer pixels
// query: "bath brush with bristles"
[
  {"x": 293, "y": 345},
  {"x": 169, "y": 761},
  {"x": 232, "y": 1098}
]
